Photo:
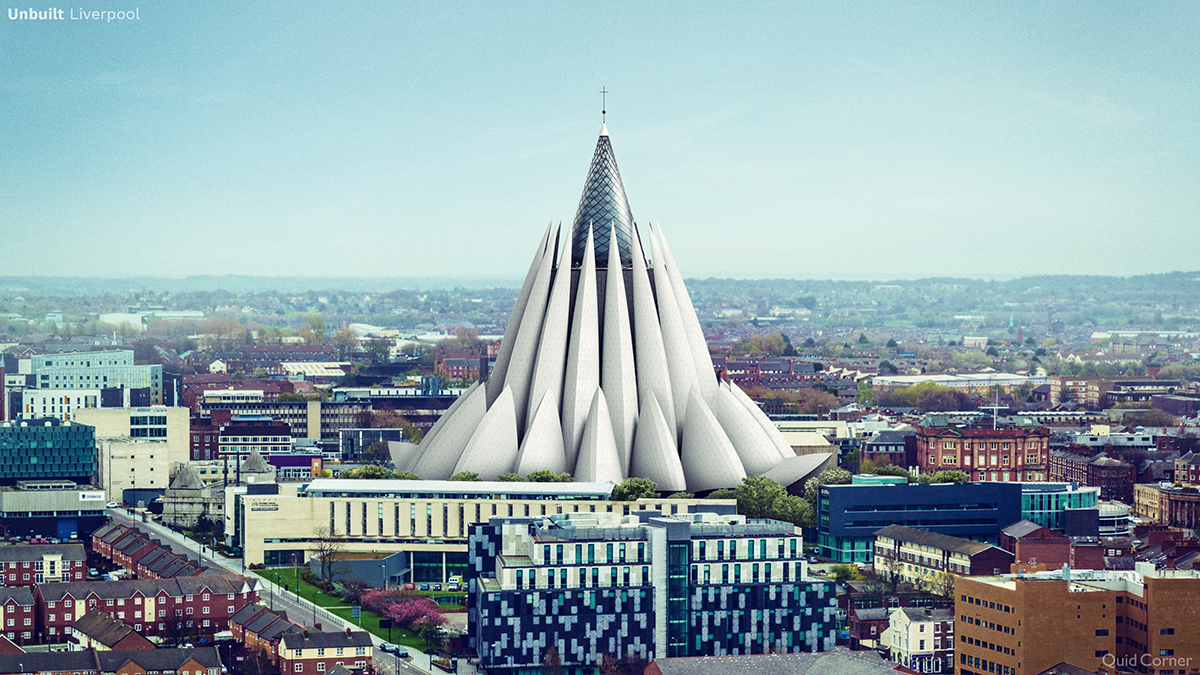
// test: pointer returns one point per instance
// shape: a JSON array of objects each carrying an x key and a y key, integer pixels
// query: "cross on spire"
[{"x": 603, "y": 100}]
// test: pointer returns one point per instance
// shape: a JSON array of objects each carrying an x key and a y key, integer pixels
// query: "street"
[{"x": 278, "y": 598}]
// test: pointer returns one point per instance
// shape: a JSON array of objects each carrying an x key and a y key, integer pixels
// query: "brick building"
[
  {"x": 197, "y": 605},
  {"x": 918, "y": 556},
  {"x": 99, "y": 631},
  {"x": 1103, "y": 621},
  {"x": 1016, "y": 449},
  {"x": 17, "y": 616},
  {"x": 29, "y": 564},
  {"x": 1033, "y": 544},
  {"x": 1114, "y": 477}
]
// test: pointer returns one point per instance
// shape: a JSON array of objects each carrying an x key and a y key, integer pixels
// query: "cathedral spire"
[{"x": 604, "y": 207}]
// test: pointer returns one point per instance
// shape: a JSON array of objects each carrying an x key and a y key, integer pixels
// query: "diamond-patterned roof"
[{"x": 603, "y": 206}]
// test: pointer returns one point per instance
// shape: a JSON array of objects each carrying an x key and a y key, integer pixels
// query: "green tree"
[
  {"x": 866, "y": 393},
  {"x": 510, "y": 478},
  {"x": 369, "y": 472},
  {"x": 465, "y": 476},
  {"x": 681, "y": 495},
  {"x": 546, "y": 476},
  {"x": 862, "y": 339},
  {"x": 722, "y": 493},
  {"x": 891, "y": 343},
  {"x": 756, "y": 496},
  {"x": 794, "y": 510},
  {"x": 633, "y": 489},
  {"x": 843, "y": 572},
  {"x": 888, "y": 368},
  {"x": 945, "y": 477},
  {"x": 812, "y": 489},
  {"x": 405, "y": 475}
]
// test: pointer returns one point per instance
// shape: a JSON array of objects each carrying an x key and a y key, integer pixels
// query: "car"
[
  {"x": 93, "y": 573},
  {"x": 424, "y": 587},
  {"x": 410, "y": 586},
  {"x": 437, "y": 587},
  {"x": 111, "y": 505},
  {"x": 401, "y": 652},
  {"x": 390, "y": 648}
]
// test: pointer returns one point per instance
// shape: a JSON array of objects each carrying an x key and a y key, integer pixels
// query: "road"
[{"x": 275, "y": 596}]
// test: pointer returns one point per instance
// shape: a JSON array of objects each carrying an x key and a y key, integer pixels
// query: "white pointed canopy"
[{"x": 603, "y": 371}]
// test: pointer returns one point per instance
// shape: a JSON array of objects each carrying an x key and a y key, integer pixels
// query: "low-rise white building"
[
  {"x": 921, "y": 639},
  {"x": 132, "y": 463}
]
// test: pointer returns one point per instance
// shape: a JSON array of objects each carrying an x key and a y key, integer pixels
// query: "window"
[
  {"x": 1166, "y": 631},
  {"x": 321, "y": 667},
  {"x": 299, "y": 667},
  {"x": 1102, "y": 632}
]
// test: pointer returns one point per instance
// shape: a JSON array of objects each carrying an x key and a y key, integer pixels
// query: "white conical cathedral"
[{"x": 603, "y": 371}]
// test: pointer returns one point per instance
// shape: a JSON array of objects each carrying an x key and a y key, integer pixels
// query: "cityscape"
[{"x": 321, "y": 395}]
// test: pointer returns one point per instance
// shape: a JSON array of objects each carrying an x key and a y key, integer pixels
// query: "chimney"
[
  {"x": 317, "y": 625},
  {"x": 306, "y": 633},
  {"x": 347, "y": 631}
]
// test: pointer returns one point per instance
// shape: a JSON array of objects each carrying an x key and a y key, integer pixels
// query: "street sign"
[
  {"x": 355, "y": 612},
  {"x": 385, "y": 623}
]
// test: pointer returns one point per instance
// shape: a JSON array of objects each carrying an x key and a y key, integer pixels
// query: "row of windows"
[{"x": 988, "y": 604}]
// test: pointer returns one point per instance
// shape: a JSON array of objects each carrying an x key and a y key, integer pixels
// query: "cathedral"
[{"x": 604, "y": 372}]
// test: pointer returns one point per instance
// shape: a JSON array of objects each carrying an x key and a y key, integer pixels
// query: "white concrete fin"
[
  {"x": 618, "y": 376},
  {"x": 705, "y": 375},
  {"x": 551, "y": 359},
  {"x": 542, "y": 447},
  {"x": 781, "y": 445},
  {"x": 427, "y": 440},
  {"x": 524, "y": 353},
  {"x": 652, "y": 373},
  {"x": 492, "y": 449},
  {"x": 679, "y": 358},
  {"x": 709, "y": 459},
  {"x": 754, "y": 448},
  {"x": 654, "y": 452},
  {"x": 437, "y": 462},
  {"x": 598, "y": 461},
  {"x": 582, "y": 377},
  {"x": 495, "y": 382}
]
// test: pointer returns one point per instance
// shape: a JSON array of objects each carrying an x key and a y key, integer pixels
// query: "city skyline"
[{"x": 819, "y": 141}]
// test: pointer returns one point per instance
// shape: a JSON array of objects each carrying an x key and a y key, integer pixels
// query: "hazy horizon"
[{"x": 803, "y": 141}]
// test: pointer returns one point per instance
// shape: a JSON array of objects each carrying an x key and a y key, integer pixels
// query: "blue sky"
[{"x": 418, "y": 139}]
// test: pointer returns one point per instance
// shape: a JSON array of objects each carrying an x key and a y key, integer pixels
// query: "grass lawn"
[{"x": 370, "y": 620}]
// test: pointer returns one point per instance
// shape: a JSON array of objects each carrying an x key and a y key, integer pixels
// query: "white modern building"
[
  {"x": 132, "y": 463},
  {"x": 604, "y": 371}
]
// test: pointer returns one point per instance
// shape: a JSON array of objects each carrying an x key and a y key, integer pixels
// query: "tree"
[
  {"x": 891, "y": 343},
  {"x": 344, "y": 341},
  {"x": 377, "y": 452},
  {"x": 756, "y": 496},
  {"x": 794, "y": 510},
  {"x": 681, "y": 495},
  {"x": 812, "y": 489},
  {"x": 866, "y": 393},
  {"x": 862, "y": 339},
  {"x": 1151, "y": 418},
  {"x": 405, "y": 475},
  {"x": 326, "y": 547},
  {"x": 510, "y": 478},
  {"x": 633, "y": 489},
  {"x": 945, "y": 477},
  {"x": 552, "y": 662},
  {"x": 888, "y": 368},
  {"x": 369, "y": 472},
  {"x": 465, "y": 476},
  {"x": 939, "y": 583},
  {"x": 546, "y": 476},
  {"x": 722, "y": 493},
  {"x": 843, "y": 572},
  {"x": 991, "y": 351}
]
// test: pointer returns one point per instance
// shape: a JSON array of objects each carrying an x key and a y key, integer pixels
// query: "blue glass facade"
[
  {"x": 849, "y": 515},
  {"x": 45, "y": 449},
  {"x": 691, "y": 585}
]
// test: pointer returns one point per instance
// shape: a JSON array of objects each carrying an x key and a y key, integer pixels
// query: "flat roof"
[{"x": 390, "y": 486}]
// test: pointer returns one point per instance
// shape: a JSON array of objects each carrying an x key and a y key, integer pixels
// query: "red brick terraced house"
[
  {"x": 29, "y": 564},
  {"x": 17, "y": 616},
  {"x": 197, "y": 605},
  {"x": 260, "y": 628}
]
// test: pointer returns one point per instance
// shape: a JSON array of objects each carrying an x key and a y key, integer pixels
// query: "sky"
[{"x": 800, "y": 140}]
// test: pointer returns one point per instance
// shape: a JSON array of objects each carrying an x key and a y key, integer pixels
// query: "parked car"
[
  {"x": 93, "y": 573},
  {"x": 111, "y": 505},
  {"x": 410, "y": 586},
  {"x": 424, "y": 587},
  {"x": 437, "y": 587}
]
